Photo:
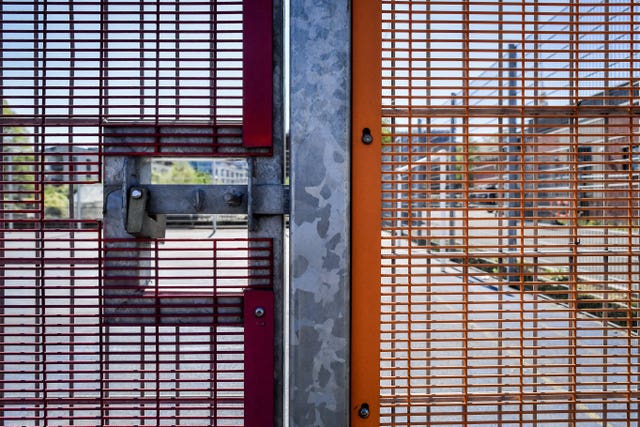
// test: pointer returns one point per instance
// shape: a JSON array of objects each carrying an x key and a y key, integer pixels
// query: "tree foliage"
[
  {"x": 180, "y": 172},
  {"x": 56, "y": 201},
  {"x": 19, "y": 167}
]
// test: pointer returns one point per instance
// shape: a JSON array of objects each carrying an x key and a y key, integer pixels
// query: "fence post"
[{"x": 320, "y": 184}]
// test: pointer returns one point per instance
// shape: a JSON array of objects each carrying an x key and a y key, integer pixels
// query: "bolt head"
[
  {"x": 364, "y": 412},
  {"x": 233, "y": 198},
  {"x": 136, "y": 193},
  {"x": 259, "y": 312}
]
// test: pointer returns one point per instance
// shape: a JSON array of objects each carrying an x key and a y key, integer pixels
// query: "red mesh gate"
[
  {"x": 73, "y": 72},
  {"x": 66, "y": 361}
]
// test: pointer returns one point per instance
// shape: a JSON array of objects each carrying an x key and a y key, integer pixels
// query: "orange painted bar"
[{"x": 366, "y": 218}]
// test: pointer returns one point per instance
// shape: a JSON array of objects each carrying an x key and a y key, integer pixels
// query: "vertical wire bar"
[
  {"x": 157, "y": 333},
  {"x": 395, "y": 231},
  {"x": 633, "y": 323},
  {"x": 178, "y": 376},
  {"x": 3, "y": 225},
  {"x": 141, "y": 60},
  {"x": 143, "y": 375},
  {"x": 213, "y": 65},
  {"x": 630, "y": 237},
  {"x": 574, "y": 72},
  {"x": 156, "y": 62},
  {"x": 213, "y": 338},
  {"x": 102, "y": 61},
  {"x": 412, "y": 140},
  {"x": 103, "y": 103},
  {"x": 428, "y": 197},
  {"x": 522, "y": 166},
  {"x": 396, "y": 214},
  {"x": 103, "y": 339},
  {"x": 40, "y": 46},
  {"x": 71, "y": 212},
  {"x": 503, "y": 287},
  {"x": 464, "y": 220},
  {"x": 176, "y": 48},
  {"x": 518, "y": 95},
  {"x": 605, "y": 262},
  {"x": 536, "y": 210}
]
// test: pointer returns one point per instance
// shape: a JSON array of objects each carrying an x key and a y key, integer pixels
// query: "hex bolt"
[
  {"x": 364, "y": 412},
  {"x": 233, "y": 198},
  {"x": 367, "y": 138},
  {"x": 259, "y": 312},
  {"x": 136, "y": 193}
]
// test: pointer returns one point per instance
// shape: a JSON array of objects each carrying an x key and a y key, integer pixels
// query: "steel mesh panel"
[
  {"x": 510, "y": 204},
  {"x": 63, "y": 362},
  {"x": 71, "y": 67},
  {"x": 85, "y": 79}
]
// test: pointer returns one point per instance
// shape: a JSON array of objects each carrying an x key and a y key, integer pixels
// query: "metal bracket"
[
  {"x": 148, "y": 205},
  {"x": 267, "y": 199}
]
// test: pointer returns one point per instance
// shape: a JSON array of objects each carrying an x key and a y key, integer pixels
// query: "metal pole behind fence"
[{"x": 513, "y": 169}]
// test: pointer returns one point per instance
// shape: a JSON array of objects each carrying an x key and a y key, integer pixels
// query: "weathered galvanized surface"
[{"x": 320, "y": 129}]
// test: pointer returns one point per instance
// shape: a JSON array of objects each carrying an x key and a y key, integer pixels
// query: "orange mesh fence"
[{"x": 510, "y": 241}]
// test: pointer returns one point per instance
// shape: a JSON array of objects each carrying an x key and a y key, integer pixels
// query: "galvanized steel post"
[{"x": 320, "y": 185}]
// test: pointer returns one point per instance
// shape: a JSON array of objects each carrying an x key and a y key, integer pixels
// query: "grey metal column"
[
  {"x": 513, "y": 167},
  {"x": 320, "y": 137}
]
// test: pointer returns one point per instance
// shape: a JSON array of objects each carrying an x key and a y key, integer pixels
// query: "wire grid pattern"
[
  {"x": 66, "y": 361},
  {"x": 70, "y": 67},
  {"x": 510, "y": 212},
  {"x": 158, "y": 78}
]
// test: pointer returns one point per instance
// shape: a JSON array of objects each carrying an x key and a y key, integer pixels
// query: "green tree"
[
  {"x": 18, "y": 169},
  {"x": 386, "y": 131},
  {"x": 56, "y": 201},
  {"x": 180, "y": 172}
]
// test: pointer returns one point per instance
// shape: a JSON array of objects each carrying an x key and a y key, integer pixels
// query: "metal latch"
[
  {"x": 148, "y": 205},
  {"x": 139, "y": 222},
  {"x": 144, "y": 206}
]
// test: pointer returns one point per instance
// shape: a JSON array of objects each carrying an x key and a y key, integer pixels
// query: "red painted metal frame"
[
  {"x": 205, "y": 65},
  {"x": 64, "y": 362},
  {"x": 259, "y": 333},
  {"x": 170, "y": 75},
  {"x": 257, "y": 66}
]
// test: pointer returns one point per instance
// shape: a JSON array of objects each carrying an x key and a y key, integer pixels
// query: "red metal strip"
[
  {"x": 257, "y": 71},
  {"x": 259, "y": 357}
]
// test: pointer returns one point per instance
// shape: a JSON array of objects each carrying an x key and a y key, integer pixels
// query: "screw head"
[
  {"x": 233, "y": 198},
  {"x": 367, "y": 138},
  {"x": 258, "y": 312},
  {"x": 136, "y": 193},
  {"x": 364, "y": 411}
]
